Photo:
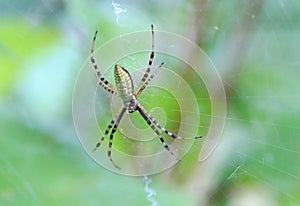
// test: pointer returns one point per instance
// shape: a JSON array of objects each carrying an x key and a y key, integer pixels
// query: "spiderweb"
[{"x": 254, "y": 46}]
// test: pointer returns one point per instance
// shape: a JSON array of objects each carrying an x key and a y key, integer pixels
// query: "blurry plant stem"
[{"x": 229, "y": 61}]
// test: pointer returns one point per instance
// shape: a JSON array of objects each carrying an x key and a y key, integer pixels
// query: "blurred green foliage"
[{"x": 254, "y": 45}]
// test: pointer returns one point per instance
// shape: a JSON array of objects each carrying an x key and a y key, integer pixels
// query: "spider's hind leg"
[
  {"x": 144, "y": 113},
  {"x": 114, "y": 129},
  {"x": 168, "y": 132},
  {"x": 110, "y": 145},
  {"x": 114, "y": 125},
  {"x": 105, "y": 133}
]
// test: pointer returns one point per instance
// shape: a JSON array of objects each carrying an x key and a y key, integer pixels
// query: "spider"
[{"x": 125, "y": 90}]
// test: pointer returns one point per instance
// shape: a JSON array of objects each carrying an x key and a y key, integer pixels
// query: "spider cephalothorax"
[{"x": 125, "y": 90}]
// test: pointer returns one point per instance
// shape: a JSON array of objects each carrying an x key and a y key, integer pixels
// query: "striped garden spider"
[{"x": 125, "y": 90}]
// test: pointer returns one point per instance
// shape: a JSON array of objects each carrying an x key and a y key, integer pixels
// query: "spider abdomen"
[{"x": 124, "y": 84}]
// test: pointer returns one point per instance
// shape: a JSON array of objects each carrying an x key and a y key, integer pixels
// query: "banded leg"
[
  {"x": 115, "y": 127},
  {"x": 102, "y": 81},
  {"x": 105, "y": 134},
  {"x": 139, "y": 90},
  {"x": 150, "y": 61},
  {"x": 171, "y": 134},
  {"x": 141, "y": 110}
]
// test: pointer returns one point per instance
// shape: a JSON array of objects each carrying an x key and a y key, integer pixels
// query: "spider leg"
[
  {"x": 105, "y": 133},
  {"x": 115, "y": 127},
  {"x": 144, "y": 113},
  {"x": 101, "y": 80},
  {"x": 140, "y": 89},
  {"x": 171, "y": 134},
  {"x": 149, "y": 63}
]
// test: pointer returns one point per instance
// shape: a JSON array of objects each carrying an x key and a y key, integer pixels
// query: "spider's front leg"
[
  {"x": 150, "y": 60},
  {"x": 145, "y": 80},
  {"x": 101, "y": 80},
  {"x": 143, "y": 86}
]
